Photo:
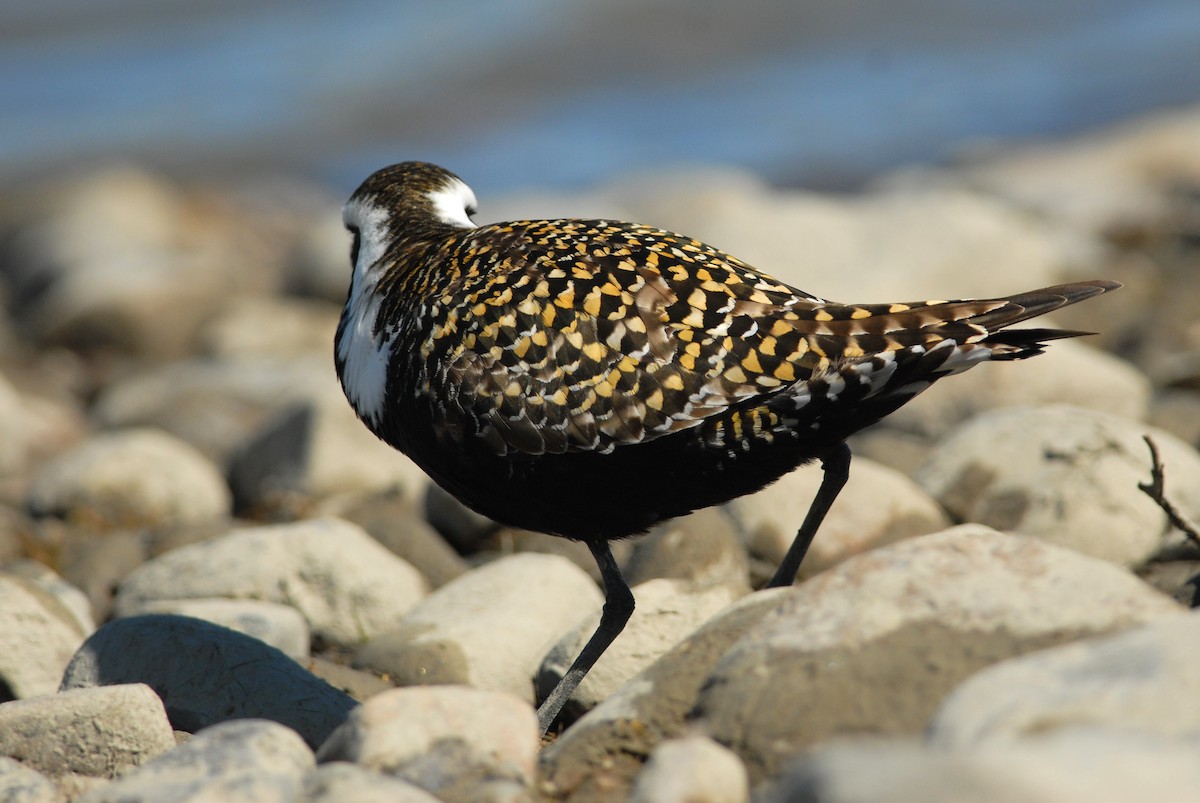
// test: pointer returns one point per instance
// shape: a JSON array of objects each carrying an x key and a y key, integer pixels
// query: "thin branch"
[{"x": 1154, "y": 489}]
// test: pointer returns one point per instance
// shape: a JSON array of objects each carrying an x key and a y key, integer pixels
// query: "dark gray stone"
[{"x": 206, "y": 674}]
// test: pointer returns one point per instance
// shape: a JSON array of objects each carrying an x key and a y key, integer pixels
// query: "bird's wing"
[{"x": 604, "y": 334}]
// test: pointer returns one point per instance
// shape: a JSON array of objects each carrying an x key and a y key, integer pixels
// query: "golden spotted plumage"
[{"x": 589, "y": 378}]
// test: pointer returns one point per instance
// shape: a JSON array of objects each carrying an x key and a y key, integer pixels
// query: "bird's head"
[{"x": 405, "y": 203}]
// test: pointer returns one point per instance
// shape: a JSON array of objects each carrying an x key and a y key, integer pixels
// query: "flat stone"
[
  {"x": 1076, "y": 766},
  {"x": 442, "y": 738},
  {"x": 1143, "y": 679},
  {"x": 1066, "y": 475},
  {"x": 667, "y": 611},
  {"x": 873, "y": 644},
  {"x": 281, "y": 626},
  {"x": 693, "y": 769},
  {"x": 206, "y": 674},
  {"x": 99, "y": 732},
  {"x": 38, "y": 638},
  {"x": 878, "y": 506},
  {"x": 130, "y": 478},
  {"x": 347, "y": 585},
  {"x": 489, "y": 628},
  {"x": 250, "y": 761}
]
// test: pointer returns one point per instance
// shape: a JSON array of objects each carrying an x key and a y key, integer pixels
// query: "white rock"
[
  {"x": 435, "y": 736},
  {"x": 1143, "y": 679},
  {"x": 877, "y": 506},
  {"x": 37, "y": 640},
  {"x": 667, "y": 611},
  {"x": 244, "y": 761},
  {"x": 346, "y": 584},
  {"x": 489, "y": 628},
  {"x": 1064, "y": 474},
  {"x": 130, "y": 478},
  {"x": 874, "y": 643},
  {"x": 100, "y": 732},
  {"x": 694, "y": 769},
  {"x": 14, "y": 443},
  {"x": 281, "y": 626},
  {"x": 1082, "y": 766}
]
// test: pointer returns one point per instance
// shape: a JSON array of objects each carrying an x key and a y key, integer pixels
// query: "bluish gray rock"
[{"x": 206, "y": 674}]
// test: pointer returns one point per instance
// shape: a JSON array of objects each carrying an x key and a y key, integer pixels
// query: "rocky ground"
[{"x": 217, "y": 585}]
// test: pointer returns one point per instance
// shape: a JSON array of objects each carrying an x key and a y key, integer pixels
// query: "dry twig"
[{"x": 1154, "y": 489}]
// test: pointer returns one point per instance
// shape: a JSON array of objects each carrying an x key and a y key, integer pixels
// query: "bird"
[{"x": 592, "y": 378}]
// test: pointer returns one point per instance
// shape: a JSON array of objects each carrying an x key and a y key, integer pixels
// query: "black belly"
[{"x": 593, "y": 496}]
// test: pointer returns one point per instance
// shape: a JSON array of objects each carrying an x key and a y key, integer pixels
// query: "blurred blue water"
[{"x": 565, "y": 92}]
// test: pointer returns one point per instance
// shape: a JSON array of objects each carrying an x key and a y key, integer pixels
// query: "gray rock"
[
  {"x": 873, "y": 644},
  {"x": 693, "y": 769},
  {"x": 96, "y": 563},
  {"x": 130, "y": 478},
  {"x": 1178, "y": 412},
  {"x": 1069, "y": 372},
  {"x": 213, "y": 404},
  {"x": 667, "y": 611},
  {"x": 14, "y": 439},
  {"x": 702, "y": 548},
  {"x": 1078, "y": 766},
  {"x": 206, "y": 674},
  {"x": 316, "y": 449},
  {"x": 338, "y": 782},
  {"x": 600, "y": 755},
  {"x": 462, "y": 527},
  {"x": 250, "y": 760},
  {"x": 877, "y": 506},
  {"x": 37, "y": 640},
  {"x": 281, "y": 626},
  {"x": 444, "y": 739},
  {"x": 279, "y": 327},
  {"x": 1143, "y": 679},
  {"x": 120, "y": 259},
  {"x": 346, "y": 584},
  {"x": 489, "y": 628},
  {"x": 74, "y": 600},
  {"x": 1064, "y": 474},
  {"x": 23, "y": 784},
  {"x": 99, "y": 732},
  {"x": 319, "y": 263},
  {"x": 393, "y": 518},
  {"x": 940, "y": 242}
]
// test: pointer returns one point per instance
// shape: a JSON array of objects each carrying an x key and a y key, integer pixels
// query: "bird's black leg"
[
  {"x": 836, "y": 464},
  {"x": 618, "y": 607}
]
